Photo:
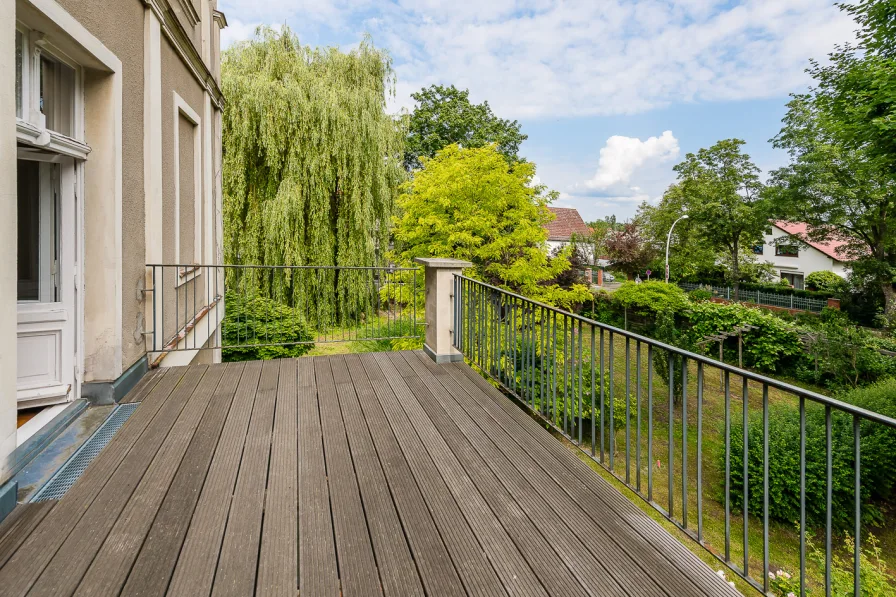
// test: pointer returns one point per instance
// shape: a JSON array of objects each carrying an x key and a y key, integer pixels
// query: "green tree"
[
  {"x": 628, "y": 250},
  {"x": 444, "y": 115},
  {"x": 842, "y": 175},
  {"x": 471, "y": 204},
  {"x": 312, "y": 164},
  {"x": 721, "y": 192}
]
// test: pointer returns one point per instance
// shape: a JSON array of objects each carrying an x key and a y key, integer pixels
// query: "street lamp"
[{"x": 668, "y": 240}]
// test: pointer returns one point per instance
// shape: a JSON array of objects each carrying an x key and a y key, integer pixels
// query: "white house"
[
  {"x": 796, "y": 261},
  {"x": 567, "y": 222}
]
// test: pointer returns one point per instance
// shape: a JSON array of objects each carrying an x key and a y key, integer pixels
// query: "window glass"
[
  {"x": 787, "y": 251},
  {"x": 38, "y": 239},
  {"x": 57, "y": 95},
  {"x": 19, "y": 60}
]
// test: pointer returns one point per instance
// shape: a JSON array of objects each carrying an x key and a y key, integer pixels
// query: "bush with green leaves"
[
  {"x": 252, "y": 324},
  {"x": 649, "y": 298},
  {"x": 699, "y": 294},
  {"x": 825, "y": 281},
  {"x": 878, "y": 468},
  {"x": 770, "y": 346}
]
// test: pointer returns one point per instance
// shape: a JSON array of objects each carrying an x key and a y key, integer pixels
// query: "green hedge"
[
  {"x": 256, "y": 321},
  {"x": 878, "y": 467},
  {"x": 787, "y": 291}
]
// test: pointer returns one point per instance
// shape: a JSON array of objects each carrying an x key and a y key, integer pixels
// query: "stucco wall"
[
  {"x": 119, "y": 26},
  {"x": 809, "y": 259}
]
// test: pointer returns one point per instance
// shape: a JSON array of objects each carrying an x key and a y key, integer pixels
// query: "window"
[
  {"x": 38, "y": 231},
  {"x": 787, "y": 251},
  {"x": 57, "y": 94},
  {"x": 758, "y": 249}
]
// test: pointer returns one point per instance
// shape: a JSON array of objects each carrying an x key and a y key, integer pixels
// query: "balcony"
[{"x": 380, "y": 473}]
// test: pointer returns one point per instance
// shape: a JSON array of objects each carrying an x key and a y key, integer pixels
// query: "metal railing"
[
  {"x": 569, "y": 371},
  {"x": 758, "y": 297},
  {"x": 263, "y": 306}
]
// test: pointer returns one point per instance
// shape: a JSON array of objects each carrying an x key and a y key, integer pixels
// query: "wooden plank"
[
  {"x": 195, "y": 570},
  {"x": 470, "y": 560},
  {"x": 155, "y": 563},
  {"x": 144, "y": 386},
  {"x": 23, "y": 568},
  {"x": 564, "y": 525},
  {"x": 279, "y": 559},
  {"x": 437, "y": 572},
  {"x": 647, "y": 544},
  {"x": 305, "y": 372},
  {"x": 19, "y": 524},
  {"x": 318, "y": 574},
  {"x": 112, "y": 564},
  {"x": 68, "y": 566},
  {"x": 515, "y": 572},
  {"x": 340, "y": 370},
  {"x": 558, "y": 561},
  {"x": 238, "y": 562},
  {"x": 357, "y": 566},
  {"x": 396, "y": 566}
]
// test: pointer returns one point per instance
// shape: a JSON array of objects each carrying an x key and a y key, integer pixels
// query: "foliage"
[
  {"x": 722, "y": 193},
  {"x": 597, "y": 239},
  {"x": 699, "y": 294},
  {"x": 471, "y": 204},
  {"x": 444, "y": 116},
  {"x": 876, "y": 580},
  {"x": 765, "y": 348},
  {"x": 650, "y": 298},
  {"x": 576, "y": 254},
  {"x": 628, "y": 250},
  {"x": 842, "y": 174},
  {"x": 878, "y": 444},
  {"x": 311, "y": 166},
  {"x": 825, "y": 281},
  {"x": 255, "y": 320}
]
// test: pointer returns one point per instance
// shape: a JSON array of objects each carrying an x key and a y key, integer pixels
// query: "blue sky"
[{"x": 612, "y": 93}]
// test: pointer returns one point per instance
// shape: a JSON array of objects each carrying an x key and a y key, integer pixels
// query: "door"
[{"x": 46, "y": 290}]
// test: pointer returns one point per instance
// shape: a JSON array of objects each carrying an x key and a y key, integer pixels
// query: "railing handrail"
[
  {"x": 771, "y": 382},
  {"x": 389, "y": 268}
]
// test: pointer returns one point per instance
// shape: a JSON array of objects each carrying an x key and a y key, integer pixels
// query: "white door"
[{"x": 46, "y": 280}]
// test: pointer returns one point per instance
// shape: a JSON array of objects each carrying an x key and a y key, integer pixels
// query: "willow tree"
[{"x": 312, "y": 163}]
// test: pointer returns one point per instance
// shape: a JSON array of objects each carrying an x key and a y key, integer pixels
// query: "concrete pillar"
[
  {"x": 8, "y": 232},
  {"x": 600, "y": 277},
  {"x": 439, "y": 282}
]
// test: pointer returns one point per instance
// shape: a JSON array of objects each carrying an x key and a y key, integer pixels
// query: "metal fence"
[
  {"x": 758, "y": 297},
  {"x": 268, "y": 306},
  {"x": 590, "y": 382}
]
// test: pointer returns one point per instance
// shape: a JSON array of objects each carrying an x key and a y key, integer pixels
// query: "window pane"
[
  {"x": 29, "y": 230},
  {"x": 19, "y": 59},
  {"x": 57, "y": 95}
]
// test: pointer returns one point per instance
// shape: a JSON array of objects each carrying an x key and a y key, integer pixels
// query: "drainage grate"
[{"x": 74, "y": 467}]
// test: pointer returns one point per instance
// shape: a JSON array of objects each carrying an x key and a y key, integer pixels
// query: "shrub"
[
  {"x": 649, "y": 298},
  {"x": 878, "y": 444},
  {"x": 766, "y": 348},
  {"x": 825, "y": 281},
  {"x": 699, "y": 294},
  {"x": 254, "y": 321}
]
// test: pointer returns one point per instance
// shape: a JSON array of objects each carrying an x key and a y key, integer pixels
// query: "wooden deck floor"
[{"x": 361, "y": 475}]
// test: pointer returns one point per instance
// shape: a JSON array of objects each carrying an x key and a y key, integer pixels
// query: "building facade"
[
  {"x": 110, "y": 159},
  {"x": 566, "y": 224},
  {"x": 795, "y": 260}
]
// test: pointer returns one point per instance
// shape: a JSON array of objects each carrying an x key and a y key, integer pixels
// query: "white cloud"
[
  {"x": 544, "y": 58},
  {"x": 623, "y": 156}
]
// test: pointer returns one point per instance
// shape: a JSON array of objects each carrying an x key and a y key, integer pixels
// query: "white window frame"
[
  {"x": 182, "y": 108},
  {"x": 31, "y": 127}
]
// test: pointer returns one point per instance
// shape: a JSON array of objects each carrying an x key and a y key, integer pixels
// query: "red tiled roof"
[
  {"x": 567, "y": 222},
  {"x": 800, "y": 230}
]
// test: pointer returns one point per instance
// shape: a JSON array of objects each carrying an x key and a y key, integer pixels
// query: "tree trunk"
[
  {"x": 735, "y": 269},
  {"x": 889, "y": 302}
]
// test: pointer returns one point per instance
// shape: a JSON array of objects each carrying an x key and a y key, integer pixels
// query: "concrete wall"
[{"x": 8, "y": 204}]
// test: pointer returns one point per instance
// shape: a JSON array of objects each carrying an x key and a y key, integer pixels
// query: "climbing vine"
[{"x": 311, "y": 167}]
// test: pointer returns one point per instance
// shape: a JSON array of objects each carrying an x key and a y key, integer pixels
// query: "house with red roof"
[
  {"x": 794, "y": 261},
  {"x": 567, "y": 222}
]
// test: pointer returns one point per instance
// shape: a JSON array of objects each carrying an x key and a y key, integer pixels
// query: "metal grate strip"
[{"x": 74, "y": 467}]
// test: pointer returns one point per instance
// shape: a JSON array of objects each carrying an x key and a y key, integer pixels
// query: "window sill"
[{"x": 46, "y": 139}]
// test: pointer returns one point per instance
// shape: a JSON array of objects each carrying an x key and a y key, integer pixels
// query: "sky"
[{"x": 612, "y": 93}]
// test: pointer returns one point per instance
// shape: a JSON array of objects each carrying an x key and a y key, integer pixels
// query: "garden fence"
[{"x": 758, "y": 297}]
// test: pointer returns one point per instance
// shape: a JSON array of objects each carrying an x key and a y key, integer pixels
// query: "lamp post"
[{"x": 669, "y": 240}]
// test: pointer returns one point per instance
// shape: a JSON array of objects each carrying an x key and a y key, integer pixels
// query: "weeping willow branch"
[{"x": 312, "y": 163}]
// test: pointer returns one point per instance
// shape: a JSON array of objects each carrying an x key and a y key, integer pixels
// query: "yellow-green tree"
[{"x": 472, "y": 204}]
